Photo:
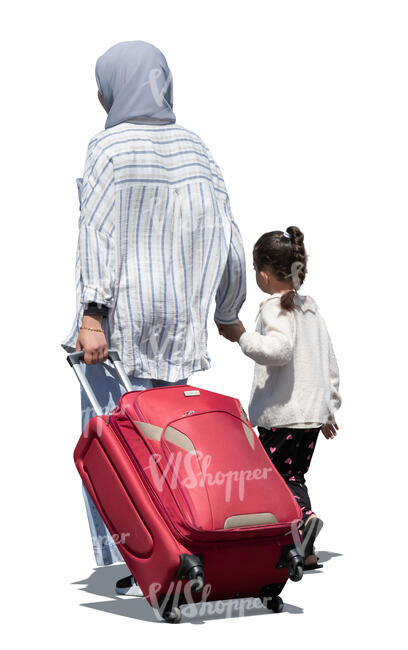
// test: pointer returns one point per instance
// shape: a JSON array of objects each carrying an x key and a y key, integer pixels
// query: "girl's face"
[
  {"x": 263, "y": 279},
  {"x": 269, "y": 283}
]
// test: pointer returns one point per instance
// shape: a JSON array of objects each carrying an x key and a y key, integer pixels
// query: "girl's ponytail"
[
  {"x": 287, "y": 300},
  {"x": 298, "y": 266}
]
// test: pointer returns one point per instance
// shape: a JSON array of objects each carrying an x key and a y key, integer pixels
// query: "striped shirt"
[{"x": 157, "y": 242}]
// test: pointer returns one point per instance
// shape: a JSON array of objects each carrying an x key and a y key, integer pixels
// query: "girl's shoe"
[
  {"x": 309, "y": 533},
  {"x": 313, "y": 564},
  {"x": 128, "y": 587}
]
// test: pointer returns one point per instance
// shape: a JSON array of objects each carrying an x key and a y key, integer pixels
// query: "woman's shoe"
[{"x": 128, "y": 587}]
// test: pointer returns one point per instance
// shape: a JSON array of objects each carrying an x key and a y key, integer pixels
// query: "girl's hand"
[
  {"x": 329, "y": 429},
  {"x": 233, "y": 332},
  {"x": 93, "y": 344}
]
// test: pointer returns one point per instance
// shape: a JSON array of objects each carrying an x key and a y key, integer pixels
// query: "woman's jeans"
[{"x": 107, "y": 388}]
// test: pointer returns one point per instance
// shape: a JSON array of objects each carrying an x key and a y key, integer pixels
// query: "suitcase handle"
[{"x": 74, "y": 359}]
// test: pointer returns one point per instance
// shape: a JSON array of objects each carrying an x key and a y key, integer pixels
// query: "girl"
[{"x": 295, "y": 390}]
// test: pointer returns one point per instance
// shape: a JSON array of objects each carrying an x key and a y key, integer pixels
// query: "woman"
[{"x": 157, "y": 241}]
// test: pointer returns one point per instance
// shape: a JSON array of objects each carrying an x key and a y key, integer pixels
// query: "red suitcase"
[{"x": 195, "y": 505}]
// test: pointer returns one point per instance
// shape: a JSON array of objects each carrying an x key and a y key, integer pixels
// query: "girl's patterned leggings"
[{"x": 291, "y": 452}]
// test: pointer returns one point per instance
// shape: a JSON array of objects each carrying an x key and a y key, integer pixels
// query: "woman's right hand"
[{"x": 93, "y": 344}]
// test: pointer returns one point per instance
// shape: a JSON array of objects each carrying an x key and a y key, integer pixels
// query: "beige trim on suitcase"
[
  {"x": 179, "y": 439},
  {"x": 252, "y": 519},
  {"x": 171, "y": 434},
  {"x": 149, "y": 430},
  {"x": 249, "y": 435}
]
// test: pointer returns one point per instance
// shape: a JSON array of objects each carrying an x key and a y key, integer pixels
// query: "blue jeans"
[{"x": 107, "y": 388}]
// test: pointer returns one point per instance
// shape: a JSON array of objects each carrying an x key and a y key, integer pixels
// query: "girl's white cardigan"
[{"x": 296, "y": 377}]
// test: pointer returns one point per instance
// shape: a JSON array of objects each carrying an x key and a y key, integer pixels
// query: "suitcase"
[{"x": 190, "y": 496}]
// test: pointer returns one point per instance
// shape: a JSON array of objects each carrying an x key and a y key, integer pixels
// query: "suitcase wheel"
[
  {"x": 270, "y": 599},
  {"x": 172, "y": 615},
  {"x": 296, "y": 568},
  {"x": 197, "y": 583},
  {"x": 296, "y": 573},
  {"x": 274, "y": 603},
  {"x": 191, "y": 568}
]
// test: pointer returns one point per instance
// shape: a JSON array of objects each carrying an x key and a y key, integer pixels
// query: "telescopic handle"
[{"x": 75, "y": 358}]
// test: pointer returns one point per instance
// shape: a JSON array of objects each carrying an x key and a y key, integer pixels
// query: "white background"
[{"x": 304, "y": 106}]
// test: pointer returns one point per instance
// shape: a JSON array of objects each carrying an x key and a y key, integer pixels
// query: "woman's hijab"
[{"x": 136, "y": 84}]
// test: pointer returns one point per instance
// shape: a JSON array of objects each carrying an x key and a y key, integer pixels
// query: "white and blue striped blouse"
[{"x": 156, "y": 243}]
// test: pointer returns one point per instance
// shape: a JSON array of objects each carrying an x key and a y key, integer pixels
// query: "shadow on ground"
[{"x": 102, "y": 583}]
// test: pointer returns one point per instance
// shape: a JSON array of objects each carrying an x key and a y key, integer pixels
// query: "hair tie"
[{"x": 288, "y": 235}]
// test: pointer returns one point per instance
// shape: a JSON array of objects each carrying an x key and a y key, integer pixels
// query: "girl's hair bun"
[{"x": 296, "y": 235}]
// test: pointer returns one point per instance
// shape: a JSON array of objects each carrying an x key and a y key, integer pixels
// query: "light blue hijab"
[{"x": 136, "y": 84}]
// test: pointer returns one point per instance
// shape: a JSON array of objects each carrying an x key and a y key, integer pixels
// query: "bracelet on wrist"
[{"x": 91, "y": 329}]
